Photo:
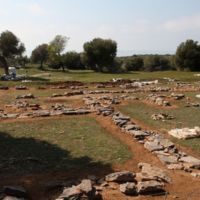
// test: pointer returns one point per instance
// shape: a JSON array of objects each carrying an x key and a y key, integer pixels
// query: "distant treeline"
[
  {"x": 98, "y": 54},
  {"x": 147, "y": 62}
]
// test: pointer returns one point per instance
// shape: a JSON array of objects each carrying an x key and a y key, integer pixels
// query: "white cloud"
[
  {"x": 32, "y": 8},
  {"x": 183, "y": 24}
]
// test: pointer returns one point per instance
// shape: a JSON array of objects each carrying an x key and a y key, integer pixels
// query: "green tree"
[
  {"x": 72, "y": 60},
  {"x": 188, "y": 56},
  {"x": 133, "y": 63},
  {"x": 10, "y": 47},
  {"x": 99, "y": 54},
  {"x": 56, "y": 47},
  {"x": 40, "y": 54},
  {"x": 156, "y": 63}
]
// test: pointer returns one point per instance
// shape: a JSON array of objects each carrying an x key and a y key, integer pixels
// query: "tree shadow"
[
  {"x": 31, "y": 78},
  {"x": 29, "y": 155}
]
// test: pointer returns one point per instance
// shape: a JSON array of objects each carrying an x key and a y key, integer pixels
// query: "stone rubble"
[
  {"x": 163, "y": 148},
  {"x": 150, "y": 180}
]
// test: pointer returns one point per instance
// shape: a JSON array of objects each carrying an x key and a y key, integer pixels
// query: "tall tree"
[
  {"x": 99, "y": 54},
  {"x": 10, "y": 46},
  {"x": 188, "y": 56},
  {"x": 40, "y": 54},
  {"x": 56, "y": 47},
  {"x": 72, "y": 60}
]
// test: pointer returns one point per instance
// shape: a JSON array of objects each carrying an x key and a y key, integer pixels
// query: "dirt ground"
[{"x": 183, "y": 186}]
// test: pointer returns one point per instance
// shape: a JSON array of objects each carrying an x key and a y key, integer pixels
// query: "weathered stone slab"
[
  {"x": 150, "y": 187},
  {"x": 153, "y": 146},
  {"x": 139, "y": 135},
  {"x": 149, "y": 172},
  {"x": 26, "y": 96},
  {"x": 128, "y": 188},
  {"x": 15, "y": 191},
  {"x": 185, "y": 133},
  {"x": 168, "y": 159},
  {"x": 124, "y": 176},
  {"x": 178, "y": 166},
  {"x": 194, "y": 162},
  {"x": 41, "y": 113},
  {"x": 72, "y": 193},
  {"x": 130, "y": 127}
]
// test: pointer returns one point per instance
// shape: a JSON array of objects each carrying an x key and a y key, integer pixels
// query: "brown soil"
[{"x": 183, "y": 184}]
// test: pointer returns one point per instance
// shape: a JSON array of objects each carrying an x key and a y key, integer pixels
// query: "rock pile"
[{"x": 150, "y": 180}]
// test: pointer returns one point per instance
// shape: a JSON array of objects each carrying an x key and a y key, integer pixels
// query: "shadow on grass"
[
  {"x": 85, "y": 72},
  {"x": 31, "y": 78},
  {"x": 29, "y": 155}
]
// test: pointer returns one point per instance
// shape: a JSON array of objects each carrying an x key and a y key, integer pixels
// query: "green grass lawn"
[
  {"x": 48, "y": 76},
  {"x": 51, "y": 144},
  {"x": 184, "y": 117}
]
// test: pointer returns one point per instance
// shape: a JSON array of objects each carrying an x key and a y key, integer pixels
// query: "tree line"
[{"x": 99, "y": 55}]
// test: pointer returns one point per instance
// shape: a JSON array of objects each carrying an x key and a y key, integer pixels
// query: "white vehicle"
[{"x": 12, "y": 72}]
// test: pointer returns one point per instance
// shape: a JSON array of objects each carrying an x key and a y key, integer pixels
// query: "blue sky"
[{"x": 139, "y": 26}]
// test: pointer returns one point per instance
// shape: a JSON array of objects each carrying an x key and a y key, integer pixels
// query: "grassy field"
[
  {"x": 184, "y": 117},
  {"x": 48, "y": 76},
  {"x": 52, "y": 144}
]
